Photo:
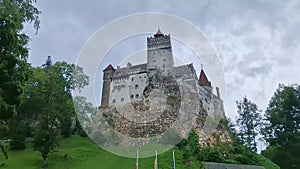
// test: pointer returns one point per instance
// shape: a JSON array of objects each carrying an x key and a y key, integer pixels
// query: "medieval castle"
[
  {"x": 122, "y": 85},
  {"x": 130, "y": 88}
]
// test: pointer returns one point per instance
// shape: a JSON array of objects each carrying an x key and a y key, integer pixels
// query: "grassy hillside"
[{"x": 84, "y": 154}]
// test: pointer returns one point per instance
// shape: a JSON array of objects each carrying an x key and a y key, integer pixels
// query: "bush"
[{"x": 211, "y": 154}]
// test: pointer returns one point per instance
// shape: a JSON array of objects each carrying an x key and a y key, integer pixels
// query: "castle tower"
[
  {"x": 203, "y": 80},
  {"x": 159, "y": 52},
  {"x": 108, "y": 73}
]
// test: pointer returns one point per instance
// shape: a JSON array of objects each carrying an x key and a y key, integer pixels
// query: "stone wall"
[{"x": 211, "y": 165}]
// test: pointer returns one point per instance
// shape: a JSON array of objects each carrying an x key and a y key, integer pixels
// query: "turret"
[
  {"x": 159, "y": 52},
  {"x": 203, "y": 81},
  {"x": 108, "y": 73}
]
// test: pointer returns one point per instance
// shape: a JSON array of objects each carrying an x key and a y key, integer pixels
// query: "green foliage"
[
  {"x": 285, "y": 156},
  {"x": 233, "y": 152},
  {"x": 4, "y": 150},
  {"x": 3, "y": 131},
  {"x": 211, "y": 154},
  {"x": 13, "y": 53},
  {"x": 85, "y": 114},
  {"x": 17, "y": 134},
  {"x": 193, "y": 143},
  {"x": 47, "y": 105},
  {"x": 190, "y": 146},
  {"x": 82, "y": 153},
  {"x": 249, "y": 123},
  {"x": 282, "y": 128},
  {"x": 283, "y": 116},
  {"x": 265, "y": 162}
]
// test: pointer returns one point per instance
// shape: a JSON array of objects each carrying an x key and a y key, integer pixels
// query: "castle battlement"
[{"x": 159, "y": 42}]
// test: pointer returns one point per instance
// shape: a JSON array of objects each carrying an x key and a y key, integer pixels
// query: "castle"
[
  {"x": 128, "y": 104},
  {"x": 123, "y": 85}
]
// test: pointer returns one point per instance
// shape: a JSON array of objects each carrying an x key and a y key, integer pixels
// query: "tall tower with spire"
[{"x": 159, "y": 52}]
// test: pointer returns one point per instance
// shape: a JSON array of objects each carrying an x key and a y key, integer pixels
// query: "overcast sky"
[{"x": 257, "y": 41}]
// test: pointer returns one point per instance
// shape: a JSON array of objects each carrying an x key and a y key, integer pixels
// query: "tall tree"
[
  {"x": 282, "y": 128},
  {"x": 48, "y": 101},
  {"x": 13, "y": 54},
  {"x": 283, "y": 115},
  {"x": 248, "y": 123}
]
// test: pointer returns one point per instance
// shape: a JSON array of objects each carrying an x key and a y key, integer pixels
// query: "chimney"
[{"x": 218, "y": 92}]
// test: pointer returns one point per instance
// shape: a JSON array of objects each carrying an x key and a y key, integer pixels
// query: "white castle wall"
[{"x": 126, "y": 90}]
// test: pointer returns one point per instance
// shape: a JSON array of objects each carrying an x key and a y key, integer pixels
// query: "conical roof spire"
[
  {"x": 203, "y": 80},
  {"x": 158, "y": 33}
]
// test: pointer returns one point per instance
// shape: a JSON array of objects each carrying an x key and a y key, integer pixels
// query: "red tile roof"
[
  {"x": 203, "y": 81},
  {"x": 109, "y": 67}
]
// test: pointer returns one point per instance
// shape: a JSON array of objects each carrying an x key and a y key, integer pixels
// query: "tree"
[
  {"x": 248, "y": 123},
  {"x": 85, "y": 115},
  {"x": 14, "y": 53},
  {"x": 282, "y": 128},
  {"x": 48, "y": 91},
  {"x": 283, "y": 115},
  {"x": 190, "y": 146}
]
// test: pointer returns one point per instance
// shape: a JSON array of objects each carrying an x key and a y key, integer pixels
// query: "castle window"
[
  {"x": 136, "y": 86},
  {"x": 137, "y": 96},
  {"x": 114, "y": 101},
  {"x": 131, "y": 96},
  {"x": 122, "y": 99},
  {"x": 164, "y": 59},
  {"x": 132, "y": 79}
]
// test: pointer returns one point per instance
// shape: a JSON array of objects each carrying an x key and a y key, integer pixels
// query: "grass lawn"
[{"x": 84, "y": 154}]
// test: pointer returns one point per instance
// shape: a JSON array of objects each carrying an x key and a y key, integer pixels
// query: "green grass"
[{"x": 84, "y": 154}]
